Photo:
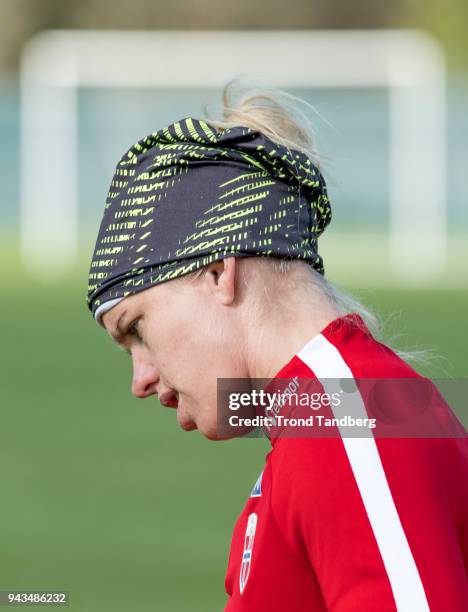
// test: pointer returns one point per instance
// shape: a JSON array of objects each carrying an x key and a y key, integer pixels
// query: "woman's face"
[{"x": 182, "y": 335}]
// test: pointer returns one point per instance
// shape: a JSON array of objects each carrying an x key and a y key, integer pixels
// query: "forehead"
[
  {"x": 160, "y": 297},
  {"x": 129, "y": 303},
  {"x": 111, "y": 316},
  {"x": 109, "y": 319}
]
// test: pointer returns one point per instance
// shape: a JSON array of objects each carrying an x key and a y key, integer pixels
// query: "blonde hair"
[{"x": 277, "y": 114}]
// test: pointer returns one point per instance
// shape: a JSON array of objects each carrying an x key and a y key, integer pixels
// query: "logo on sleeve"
[
  {"x": 248, "y": 547},
  {"x": 257, "y": 490}
]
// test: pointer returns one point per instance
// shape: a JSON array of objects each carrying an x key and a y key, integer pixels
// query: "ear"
[{"x": 221, "y": 279}]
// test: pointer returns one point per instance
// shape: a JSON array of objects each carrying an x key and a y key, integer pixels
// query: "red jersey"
[{"x": 346, "y": 524}]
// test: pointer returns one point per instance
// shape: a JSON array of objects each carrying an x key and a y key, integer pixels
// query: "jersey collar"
[{"x": 296, "y": 367}]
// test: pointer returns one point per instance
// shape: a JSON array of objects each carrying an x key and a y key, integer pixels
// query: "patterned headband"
[{"x": 189, "y": 195}]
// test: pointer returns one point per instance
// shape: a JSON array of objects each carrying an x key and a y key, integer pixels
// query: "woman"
[{"x": 206, "y": 267}]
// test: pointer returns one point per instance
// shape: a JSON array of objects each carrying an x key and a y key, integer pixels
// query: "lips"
[
  {"x": 169, "y": 399},
  {"x": 185, "y": 423}
]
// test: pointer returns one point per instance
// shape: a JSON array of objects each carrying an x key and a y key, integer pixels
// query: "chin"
[
  {"x": 211, "y": 432},
  {"x": 207, "y": 428},
  {"x": 205, "y": 420}
]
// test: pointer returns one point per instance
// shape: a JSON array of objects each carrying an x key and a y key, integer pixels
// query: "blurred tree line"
[{"x": 447, "y": 20}]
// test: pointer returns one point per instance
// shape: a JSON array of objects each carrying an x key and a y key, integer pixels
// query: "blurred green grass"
[{"x": 102, "y": 494}]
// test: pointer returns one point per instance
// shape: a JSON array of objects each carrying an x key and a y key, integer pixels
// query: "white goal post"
[{"x": 409, "y": 63}]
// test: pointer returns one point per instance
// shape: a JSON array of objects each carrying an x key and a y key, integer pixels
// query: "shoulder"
[
  {"x": 326, "y": 481},
  {"x": 348, "y": 340}
]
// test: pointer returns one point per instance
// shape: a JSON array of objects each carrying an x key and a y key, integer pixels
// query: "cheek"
[
  {"x": 189, "y": 346},
  {"x": 173, "y": 348}
]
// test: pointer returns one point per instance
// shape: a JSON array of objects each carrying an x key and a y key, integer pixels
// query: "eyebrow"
[
  {"x": 118, "y": 329},
  {"x": 117, "y": 333}
]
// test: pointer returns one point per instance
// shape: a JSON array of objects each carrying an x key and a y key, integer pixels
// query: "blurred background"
[{"x": 103, "y": 496}]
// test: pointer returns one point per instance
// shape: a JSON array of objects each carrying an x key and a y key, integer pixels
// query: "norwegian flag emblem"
[{"x": 247, "y": 554}]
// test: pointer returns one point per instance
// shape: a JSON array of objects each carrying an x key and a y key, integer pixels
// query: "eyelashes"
[{"x": 132, "y": 330}]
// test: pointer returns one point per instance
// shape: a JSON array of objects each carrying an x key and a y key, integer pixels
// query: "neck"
[{"x": 272, "y": 341}]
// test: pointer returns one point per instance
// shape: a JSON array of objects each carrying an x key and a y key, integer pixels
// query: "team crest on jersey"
[
  {"x": 257, "y": 490},
  {"x": 247, "y": 554}
]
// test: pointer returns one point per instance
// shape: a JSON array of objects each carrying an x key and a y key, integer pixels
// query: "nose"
[{"x": 145, "y": 378}]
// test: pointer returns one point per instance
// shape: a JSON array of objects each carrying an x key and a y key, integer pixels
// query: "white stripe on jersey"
[{"x": 326, "y": 362}]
